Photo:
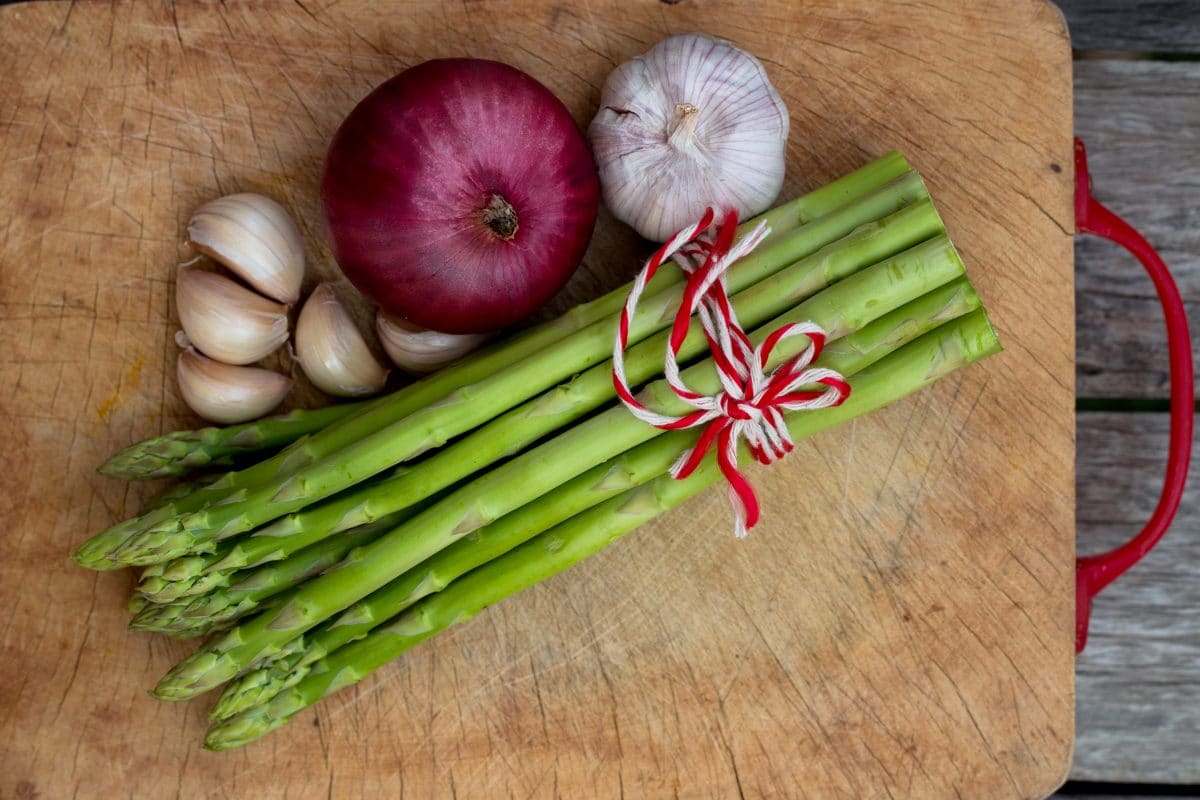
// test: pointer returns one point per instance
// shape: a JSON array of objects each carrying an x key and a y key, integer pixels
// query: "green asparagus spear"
[
  {"x": 253, "y": 586},
  {"x": 202, "y": 572},
  {"x": 229, "y": 618},
  {"x": 182, "y": 452},
  {"x": 849, "y": 356},
  {"x": 166, "y": 498},
  {"x": 485, "y": 384},
  {"x": 168, "y": 581},
  {"x": 916, "y": 365},
  {"x": 894, "y": 236},
  {"x": 848, "y": 305},
  {"x": 182, "y": 489}
]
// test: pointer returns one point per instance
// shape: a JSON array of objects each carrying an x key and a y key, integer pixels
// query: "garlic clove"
[
  {"x": 256, "y": 238},
  {"x": 419, "y": 350},
  {"x": 226, "y": 321},
  {"x": 227, "y": 394},
  {"x": 331, "y": 351},
  {"x": 692, "y": 123}
]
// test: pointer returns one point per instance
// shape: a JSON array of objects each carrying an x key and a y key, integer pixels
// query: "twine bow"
[{"x": 752, "y": 400}]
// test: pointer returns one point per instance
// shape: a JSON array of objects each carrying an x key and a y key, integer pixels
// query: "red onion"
[{"x": 459, "y": 195}]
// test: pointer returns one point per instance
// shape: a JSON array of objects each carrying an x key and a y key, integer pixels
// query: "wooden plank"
[
  {"x": 1141, "y": 122},
  {"x": 912, "y": 637},
  {"x": 1139, "y": 679},
  {"x": 1143, "y": 26}
]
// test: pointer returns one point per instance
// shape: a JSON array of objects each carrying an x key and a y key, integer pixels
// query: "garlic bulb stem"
[
  {"x": 256, "y": 238},
  {"x": 226, "y": 321},
  {"x": 417, "y": 350},
  {"x": 684, "y": 127},
  {"x": 332, "y": 352},
  {"x": 227, "y": 394}
]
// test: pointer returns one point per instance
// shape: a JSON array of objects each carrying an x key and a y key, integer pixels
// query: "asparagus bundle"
[
  {"x": 846, "y": 306},
  {"x": 378, "y": 523},
  {"x": 848, "y": 356},
  {"x": 429, "y": 412},
  {"x": 932, "y": 356}
]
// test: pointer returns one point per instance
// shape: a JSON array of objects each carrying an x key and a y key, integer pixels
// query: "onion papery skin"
[{"x": 410, "y": 176}]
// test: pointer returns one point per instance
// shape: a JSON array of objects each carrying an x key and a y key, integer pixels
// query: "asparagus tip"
[
  {"x": 90, "y": 556},
  {"x": 241, "y": 729}
]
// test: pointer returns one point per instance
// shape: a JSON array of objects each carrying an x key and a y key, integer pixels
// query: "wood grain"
[
  {"x": 1139, "y": 679},
  {"x": 1143, "y": 26},
  {"x": 1141, "y": 121},
  {"x": 913, "y": 639}
]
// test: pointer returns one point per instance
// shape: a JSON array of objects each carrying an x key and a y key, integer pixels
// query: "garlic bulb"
[
  {"x": 332, "y": 351},
  {"x": 418, "y": 350},
  {"x": 226, "y": 321},
  {"x": 692, "y": 123},
  {"x": 226, "y": 394},
  {"x": 256, "y": 238}
]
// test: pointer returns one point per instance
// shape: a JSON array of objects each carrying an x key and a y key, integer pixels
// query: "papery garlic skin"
[
  {"x": 256, "y": 238},
  {"x": 419, "y": 350},
  {"x": 227, "y": 394},
  {"x": 227, "y": 321},
  {"x": 332, "y": 352},
  {"x": 690, "y": 124}
]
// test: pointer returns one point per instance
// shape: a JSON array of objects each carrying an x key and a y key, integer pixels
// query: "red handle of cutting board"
[{"x": 1093, "y": 573}]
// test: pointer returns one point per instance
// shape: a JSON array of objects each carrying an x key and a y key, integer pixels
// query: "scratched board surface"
[{"x": 900, "y": 623}]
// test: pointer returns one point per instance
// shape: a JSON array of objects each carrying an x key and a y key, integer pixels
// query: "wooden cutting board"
[{"x": 900, "y": 624}]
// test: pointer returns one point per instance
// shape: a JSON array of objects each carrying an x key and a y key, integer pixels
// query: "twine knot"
[{"x": 751, "y": 402}]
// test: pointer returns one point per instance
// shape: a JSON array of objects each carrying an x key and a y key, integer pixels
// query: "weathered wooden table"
[
  {"x": 1139, "y": 680},
  {"x": 1137, "y": 105}
]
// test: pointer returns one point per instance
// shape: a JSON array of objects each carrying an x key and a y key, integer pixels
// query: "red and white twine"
[{"x": 752, "y": 401}]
